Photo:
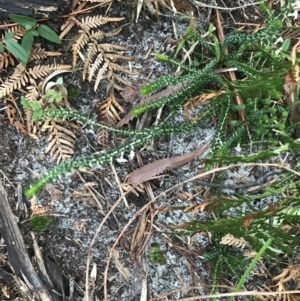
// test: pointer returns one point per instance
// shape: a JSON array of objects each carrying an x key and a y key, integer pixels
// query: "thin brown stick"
[
  {"x": 86, "y": 295},
  {"x": 200, "y": 4},
  {"x": 119, "y": 184},
  {"x": 231, "y": 74},
  {"x": 99, "y": 205}
]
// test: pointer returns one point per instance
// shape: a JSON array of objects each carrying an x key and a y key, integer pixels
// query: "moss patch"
[
  {"x": 41, "y": 223},
  {"x": 73, "y": 92}
]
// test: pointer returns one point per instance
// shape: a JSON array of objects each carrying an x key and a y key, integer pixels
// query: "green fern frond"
[
  {"x": 161, "y": 82},
  {"x": 98, "y": 159},
  {"x": 192, "y": 84},
  {"x": 177, "y": 63},
  {"x": 63, "y": 114}
]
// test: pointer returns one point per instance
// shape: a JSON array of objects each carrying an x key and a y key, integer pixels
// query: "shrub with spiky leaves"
[{"x": 202, "y": 78}]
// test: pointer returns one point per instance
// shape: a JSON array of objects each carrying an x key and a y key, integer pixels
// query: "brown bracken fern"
[
  {"x": 22, "y": 77},
  {"x": 110, "y": 110},
  {"x": 99, "y": 59},
  {"x": 61, "y": 140},
  {"x": 230, "y": 240},
  {"x": 6, "y": 59},
  {"x": 38, "y": 53}
]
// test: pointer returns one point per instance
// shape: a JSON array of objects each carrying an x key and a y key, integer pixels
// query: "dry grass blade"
[
  {"x": 119, "y": 265},
  {"x": 148, "y": 171},
  {"x": 138, "y": 9}
]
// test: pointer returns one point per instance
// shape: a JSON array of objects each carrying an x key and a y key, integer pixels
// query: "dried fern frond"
[
  {"x": 100, "y": 74},
  {"x": 102, "y": 138},
  {"x": 292, "y": 272},
  {"x": 230, "y": 240},
  {"x": 107, "y": 71},
  {"x": 15, "y": 81},
  {"x": 18, "y": 31},
  {"x": 110, "y": 109},
  {"x": 94, "y": 67},
  {"x": 92, "y": 51},
  {"x": 6, "y": 59},
  {"x": 41, "y": 53},
  {"x": 40, "y": 71},
  {"x": 40, "y": 210},
  {"x": 22, "y": 77},
  {"x": 80, "y": 42},
  {"x": 61, "y": 141},
  {"x": 97, "y": 34},
  {"x": 111, "y": 47},
  {"x": 32, "y": 94},
  {"x": 100, "y": 60},
  {"x": 91, "y": 22},
  {"x": 113, "y": 79},
  {"x": 30, "y": 125}
]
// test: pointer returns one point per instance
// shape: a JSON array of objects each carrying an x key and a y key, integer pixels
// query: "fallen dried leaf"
[
  {"x": 150, "y": 170},
  {"x": 129, "y": 93},
  {"x": 145, "y": 99}
]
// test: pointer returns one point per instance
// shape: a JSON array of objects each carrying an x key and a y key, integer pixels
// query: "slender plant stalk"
[{"x": 251, "y": 266}]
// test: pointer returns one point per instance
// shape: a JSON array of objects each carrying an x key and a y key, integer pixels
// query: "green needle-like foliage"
[
  {"x": 260, "y": 84},
  {"x": 93, "y": 160}
]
